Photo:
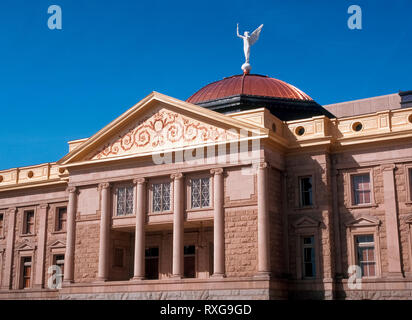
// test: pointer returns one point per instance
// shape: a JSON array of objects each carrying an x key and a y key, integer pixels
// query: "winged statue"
[{"x": 248, "y": 41}]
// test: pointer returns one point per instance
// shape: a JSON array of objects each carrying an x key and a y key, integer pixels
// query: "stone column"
[
  {"x": 8, "y": 265},
  {"x": 219, "y": 224},
  {"x": 391, "y": 220},
  {"x": 139, "y": 248},
  {"x": 41, "y": 245},
  {"x": 263, "y": 221},
  {"x": 336, "y": 223},
  {"x": 178, "y": 228},
  {"x": 70, "y": 236},
  {"x": 103, "y": 272}
]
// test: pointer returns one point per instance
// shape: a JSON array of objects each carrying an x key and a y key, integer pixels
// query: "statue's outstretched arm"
[{"x": 237, "y": 31}]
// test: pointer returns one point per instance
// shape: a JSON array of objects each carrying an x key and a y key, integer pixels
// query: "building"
[{"x": 247, "y": 190}]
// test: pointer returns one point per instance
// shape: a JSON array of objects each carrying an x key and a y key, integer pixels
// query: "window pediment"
[
  {"x": 306, "y": 222},
  {"x": 26, "y": 246},
  {"x": 364, "y": 221},
  {"x": 58, "y": 244}
]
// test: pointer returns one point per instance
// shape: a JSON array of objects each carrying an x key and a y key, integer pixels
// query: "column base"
[
  {"x": 264, "y": 275},
  {"x": 137, "y": 278},
  {"x": 218, "y": 276},
  {"x": 394, "y": 275},
  {"x": 101, "y": 280},
  {"x": 176, "y": 277},
  {"x": 67, "y": 282}
]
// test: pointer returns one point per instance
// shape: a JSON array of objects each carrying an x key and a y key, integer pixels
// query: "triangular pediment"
[
  {"x": 306, "y": 222},
  {"x": 158, "y": 124},
  {"x": 26, "y": 246},
  {"x": 58, "y": 244},
  {"x": 363, "y": 221}
]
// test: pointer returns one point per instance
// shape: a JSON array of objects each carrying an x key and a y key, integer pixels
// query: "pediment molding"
[
  {"x": 408, "y": 219},
  {"x": 306, "y": 222},
  {"x": 57, "y": 244},
  {"x": 363, "y": 221},
  {"x": 128, "y": 130},
  {"x": 26, "y": 246}
]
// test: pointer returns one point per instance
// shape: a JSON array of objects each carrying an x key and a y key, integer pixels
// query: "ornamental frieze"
[{"x": 163, "y": 129}]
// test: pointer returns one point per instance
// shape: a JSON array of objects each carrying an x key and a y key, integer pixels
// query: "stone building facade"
[{"x": 233, "y": 194}]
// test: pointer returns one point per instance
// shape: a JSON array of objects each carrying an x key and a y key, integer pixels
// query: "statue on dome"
[{"x": 248, "y": 41}]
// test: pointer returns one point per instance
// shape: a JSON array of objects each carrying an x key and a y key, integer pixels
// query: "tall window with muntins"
[
  {"x": 26, "y": 272},
  {"x": 306, "y": 191},
  {"x": 124, "y": 200},
  {"x": 61, "y": 219},
  {"x": 365, "y": 249},
  {"x": 200, "y": 192},
  {"x": 309, "y": 266},
  {"x": 1, "y": 225},
  {"x": 161, "y": 197},
  {"x": 361, "y": 189},
  {"x": 28, "y": 223},
  {"x": 410, "y": 183}
]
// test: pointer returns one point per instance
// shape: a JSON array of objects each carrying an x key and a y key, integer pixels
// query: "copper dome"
[{"x": 248, "y": 84}]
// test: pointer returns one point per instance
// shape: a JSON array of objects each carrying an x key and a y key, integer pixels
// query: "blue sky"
[{"x": 60, "y": 85}]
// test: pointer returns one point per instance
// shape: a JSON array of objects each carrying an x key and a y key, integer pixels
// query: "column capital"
[
  {"x": 43, "y": 205},
  {"x": 104, "y": 185},
  {"x": 12, "y": 210},
  {"x": 263, "y": 165},
  {"x": 71, "y": 189},
  {"x": 139, "y": 180},
  {"x": 388, "y": 167},
  {"x": 216, "y": 171},
  {"x": 176, "y": 176}
]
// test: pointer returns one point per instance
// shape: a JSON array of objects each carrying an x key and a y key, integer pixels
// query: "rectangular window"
[
  {"x": 306, "y": 191},
  {"x": 26, "y": 272},
  {"x": 365, "y": 248},
  {"x": 58, "y": 260},
  {"x": 410, "y": 183},
  {"x": 361, "y": 189},
  {"x": 118, "y": 257},
  {"x": 152, "y": 263},
  {"x": 189, "y": 262},
  {"x": 1, "y": 225},
  {"x": 28, "y": 227},
  {"x": 309, "y": 267},
  {"x": 200, "y": 193},
  {"x": 161, "y": 197},
  {"x": 124, "y": 200},
  {"x": 61, "y": 219}
]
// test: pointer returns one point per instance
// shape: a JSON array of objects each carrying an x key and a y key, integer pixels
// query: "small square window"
[
  {"x": 306, "y": 191},
  {"x": 124, "y": 200},
  {"x": 361, "y": 189},
  {"x": 161, "y": 197},
  {"x": 28, "y": 222},
  {"x": 365, "y": 249},
  {"x": 200, "y": 193}
]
